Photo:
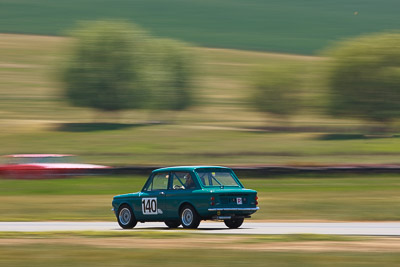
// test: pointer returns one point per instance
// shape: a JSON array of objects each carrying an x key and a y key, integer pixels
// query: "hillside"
[{"x": 289, "y": 26}]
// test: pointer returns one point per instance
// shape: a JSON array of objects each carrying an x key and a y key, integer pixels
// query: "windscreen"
[{"x": 217, "y": 178}]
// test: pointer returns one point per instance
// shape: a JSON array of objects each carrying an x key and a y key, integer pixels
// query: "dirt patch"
[
  {"x": 391, "y": 245},
  {"x": 18, "y": 66}
]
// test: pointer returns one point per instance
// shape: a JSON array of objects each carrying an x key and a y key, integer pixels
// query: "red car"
[{"x": 42, "y": 166}]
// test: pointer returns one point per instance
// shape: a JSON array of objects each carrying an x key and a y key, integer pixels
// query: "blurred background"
[
  {"x": 235, "y": 83},
  {"x": 231, "y": 82},
  {"x": 155, "y": 83}
]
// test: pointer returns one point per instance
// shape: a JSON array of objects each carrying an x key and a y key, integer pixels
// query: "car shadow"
[
  {"x": 92, "y": 127},
  {"x": 334, "y": 137},
  {"x": 181, "y": 228},
  {"x": 219, "y": 229}
]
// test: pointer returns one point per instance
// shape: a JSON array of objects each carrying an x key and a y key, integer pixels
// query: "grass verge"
[{"x": 340, "y": 198}]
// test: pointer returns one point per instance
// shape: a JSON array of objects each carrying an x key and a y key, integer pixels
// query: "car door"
[
  {"x": 152, "y": 198},
  {"x": 180, "y": 190}
]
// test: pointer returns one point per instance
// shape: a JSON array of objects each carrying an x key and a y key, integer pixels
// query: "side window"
[
  {"x": 182, "y": 180},
  {"x": 159, "y": 182},
  {"x": 205, "y": 179}
]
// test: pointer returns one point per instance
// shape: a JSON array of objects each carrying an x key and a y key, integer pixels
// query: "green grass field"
[
  {"x": 54, "y": 253},
  {"x": 288, "y": 26},
  {"x": 64, "y": 255},
  {"x": 149, "y": 248},
  {"x": 348, "y": 198}
]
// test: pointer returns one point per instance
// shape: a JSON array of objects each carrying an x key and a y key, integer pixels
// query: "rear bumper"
[
  {"x": 229, "y": 217},
  {"x": 234, "y": 209},
  {"x": 232, "y": 213}
]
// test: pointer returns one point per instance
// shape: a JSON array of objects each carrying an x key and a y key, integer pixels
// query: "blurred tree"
[
  {"x": 277, "y": 91},
  {"x": 105, "y": 69},
  {"x": 364, "y": 78},
  {"x": 115, "y": 65},
  {"x": 172, "y": 72}
]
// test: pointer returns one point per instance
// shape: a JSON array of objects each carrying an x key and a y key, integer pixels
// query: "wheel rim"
[
  {"x": 187, "y": 217},
  {"x": 125, "y": 216}
]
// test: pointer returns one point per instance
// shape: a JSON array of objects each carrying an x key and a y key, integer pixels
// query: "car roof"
[
  {"x": 189, "y": 168},
  {"x": 37, "y": 155}
]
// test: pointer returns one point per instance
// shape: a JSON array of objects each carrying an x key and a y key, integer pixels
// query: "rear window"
[{"x": 217, "y": 178}]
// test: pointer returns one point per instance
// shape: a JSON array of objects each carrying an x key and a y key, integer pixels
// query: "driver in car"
[{"x": 189, "y": 184}]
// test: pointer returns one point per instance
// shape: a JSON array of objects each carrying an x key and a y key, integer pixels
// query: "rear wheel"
[
  {"x": 172, "y": 224},
  {"x": 189, "y": 217},
  {"x": 234, "y": 223},
  {"x": 126, "y": 218}
]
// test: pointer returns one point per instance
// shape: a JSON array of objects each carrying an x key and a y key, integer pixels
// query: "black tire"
[
  {"x": 172, "y": 224},
  {"x": 189, "y": 217},
  {"x": 234, "y": 223},
  {"x": 126, "y": 218}
]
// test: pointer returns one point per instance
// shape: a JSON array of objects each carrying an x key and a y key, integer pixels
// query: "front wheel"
[
  {"x": 234, "y": 223},
  {"x": 126, "y": 218},
  {"x": 189, "y": 217}
]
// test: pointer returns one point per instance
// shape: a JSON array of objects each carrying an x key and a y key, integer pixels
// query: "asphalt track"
[{"x": 260, "y": 228}]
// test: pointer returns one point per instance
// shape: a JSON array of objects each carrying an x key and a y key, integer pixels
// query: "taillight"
[
  {"x": 212, "y": 199},
  {"x": 256, "y": 200}
]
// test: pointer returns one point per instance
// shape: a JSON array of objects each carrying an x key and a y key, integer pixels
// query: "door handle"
[{"x": 162, "y": 193}]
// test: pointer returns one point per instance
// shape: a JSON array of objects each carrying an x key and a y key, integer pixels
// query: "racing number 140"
[{"x": 149, "y": 205}]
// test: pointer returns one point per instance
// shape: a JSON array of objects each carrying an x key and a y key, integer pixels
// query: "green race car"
[{"x": 186, "y": 195}]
